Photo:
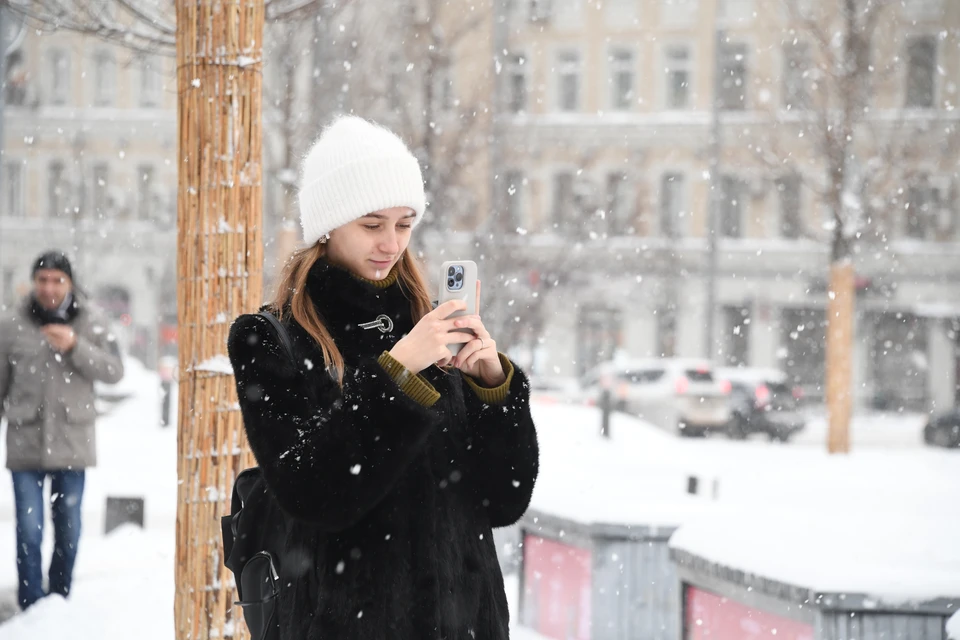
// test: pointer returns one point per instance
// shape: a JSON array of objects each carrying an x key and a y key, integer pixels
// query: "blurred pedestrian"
[
  {"x": 53, "y": 347},
  {"x": 168, "y": 374},
  {"x": 394, "y": 457}
]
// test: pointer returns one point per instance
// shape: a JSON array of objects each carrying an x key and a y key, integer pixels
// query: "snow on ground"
[
  {"x": 122, "y": 581},
  {"x": 953, "y": 627},
  {"x": 876, "y": 521},
  {"x": 638, "y": 475}
]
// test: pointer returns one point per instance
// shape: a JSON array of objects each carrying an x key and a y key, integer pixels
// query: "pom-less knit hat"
[
  {"x": 53, "y": 260},
  {"x": 355, "y": 168}
]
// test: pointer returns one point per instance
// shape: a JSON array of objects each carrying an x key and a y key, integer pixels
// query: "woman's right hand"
[{"x": 426, "y": 344}]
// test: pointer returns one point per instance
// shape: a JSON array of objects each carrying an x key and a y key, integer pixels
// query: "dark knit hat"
[{"x": 53, "y": 260}]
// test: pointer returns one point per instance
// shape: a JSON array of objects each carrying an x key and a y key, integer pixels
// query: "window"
[
  {"x": 145, "y": 192},
  {"x": 788, "y": 194},
  {"x": 568, "y": 71},
  {"x": 736, "y": 333},
  {"x": 56, "y": 190},
  {"x": 796, "y": 66},
  {"x": 18, "y": 77},
  {"x": 618, "y": 206},
  {"x": 735, "y": 11},
  {"x": 930, "y": 210},
  {"x": 150, "y": 84},
  {"x": 7, "y": 291},
  {"x": 621, "y": 79},
  {"x": 732, "y": 87},
  {"x": 443, "y": 86},
  {"x": 105, "y": 78},
  {"x": 803, "y": 348},
  {"x": 394, "y": 81},
  {"x": 598, "y": 336},
  {"x": 14, "y": 189},
  {"x": 516, "y": 84},
  {"x": 923, "y": 10},
  {"x": 101, "y": 185},
  {"x": 677, "y": 59},
  {"x": 666, "y": 331},
  {"x": 515, "y": 184},
  {"x": 898, "y": 375},
  {"x": 679, "y": 13},
  {"x": 620, "y": 13},
  {"x": 59, "y": 77},
  {"x": 671, "y": 204},
  {"x": 540, "y": 10},
  {"x": 921, "y": 72},
  {"x": 567, "y": 14},
  {"x": 563, "y": 205},
  {"x": 732, "y": 191}
]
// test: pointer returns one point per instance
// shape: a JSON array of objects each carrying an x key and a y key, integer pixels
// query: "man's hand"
[{"x": 60, "y": 336}]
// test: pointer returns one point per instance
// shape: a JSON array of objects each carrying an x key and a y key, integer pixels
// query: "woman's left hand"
[{"x": 479, "y": 358}]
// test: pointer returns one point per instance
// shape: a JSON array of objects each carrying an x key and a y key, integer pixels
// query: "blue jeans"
[{"x": 66, "y": 494}]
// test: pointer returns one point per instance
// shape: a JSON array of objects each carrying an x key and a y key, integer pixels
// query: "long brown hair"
[{"x": 292, "y": 295}]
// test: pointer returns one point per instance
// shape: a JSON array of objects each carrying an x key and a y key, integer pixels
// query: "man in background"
[{"x": 53, "y": 347}]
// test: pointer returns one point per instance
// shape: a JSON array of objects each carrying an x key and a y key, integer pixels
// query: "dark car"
[
  {"x": 943, "y": 430},
  {"x": 762, "y": 402}
]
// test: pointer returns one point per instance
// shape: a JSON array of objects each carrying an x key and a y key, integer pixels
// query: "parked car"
[
  {"x": 943, "y": 430},
  {"x": 762, "y": 401},
  {"x": 553, "y": 389},
  {"x": 678, "y": 394}
]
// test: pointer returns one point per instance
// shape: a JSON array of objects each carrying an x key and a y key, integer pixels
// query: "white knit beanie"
[{"x": 355, "y": 168}]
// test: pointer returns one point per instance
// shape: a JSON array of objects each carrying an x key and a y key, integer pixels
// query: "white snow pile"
[
  {"x": 891, "y": 556},
  {"x": 953, "y": 627},
  {"x": 123, "y": 582}
]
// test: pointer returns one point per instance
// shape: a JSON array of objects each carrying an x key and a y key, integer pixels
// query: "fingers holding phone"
[
  {"x": 431, "y": 338},
  {"x": 479, "y": 358}
]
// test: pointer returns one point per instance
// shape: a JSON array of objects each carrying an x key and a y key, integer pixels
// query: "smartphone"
[{"x": 458, "y": 281}]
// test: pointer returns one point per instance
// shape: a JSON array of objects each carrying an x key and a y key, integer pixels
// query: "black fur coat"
[{"x": 392, "y": 502}]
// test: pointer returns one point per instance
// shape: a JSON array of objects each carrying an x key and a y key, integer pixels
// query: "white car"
[{"x": 680, "y": 395}]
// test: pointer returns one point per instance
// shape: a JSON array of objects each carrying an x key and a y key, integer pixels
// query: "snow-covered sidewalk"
[{"x": 639, "y": 475}]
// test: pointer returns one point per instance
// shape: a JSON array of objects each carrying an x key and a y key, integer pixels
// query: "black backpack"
[{"x": 253, "y": 538}]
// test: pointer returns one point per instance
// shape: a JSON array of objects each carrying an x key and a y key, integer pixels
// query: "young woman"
[{"x": 393, "y": 459}]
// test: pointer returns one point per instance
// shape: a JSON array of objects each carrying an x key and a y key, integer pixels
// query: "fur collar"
[{"x": 346, "y": 302}]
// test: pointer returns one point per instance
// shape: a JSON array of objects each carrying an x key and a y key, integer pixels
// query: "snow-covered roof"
[{"x": 892, "y": 558}]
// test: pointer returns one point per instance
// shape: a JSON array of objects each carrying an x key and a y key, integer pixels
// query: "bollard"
[
  {"x": 123, "y": 511},
  {"x": 166, "y": 390},
  {"x": 605, "y": 413}
]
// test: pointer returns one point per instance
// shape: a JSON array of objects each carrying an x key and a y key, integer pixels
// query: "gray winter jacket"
[{"x": 47, "y": 397}]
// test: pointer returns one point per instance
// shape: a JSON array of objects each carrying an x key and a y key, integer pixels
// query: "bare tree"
[
  {"x": 144, "y": 26},
  {"x": 865, "y": 154}
]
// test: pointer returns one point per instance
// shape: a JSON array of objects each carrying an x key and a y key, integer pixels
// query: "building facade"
[
  {"x": 88, "y": 167},
  {"x": 606, "y": 127}
]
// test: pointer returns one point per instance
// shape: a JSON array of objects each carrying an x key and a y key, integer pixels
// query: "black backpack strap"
[
  {"x": 228, "y": 527},
  {"x": 282, "y": 334},
  {"x": 228, "y": 523}
]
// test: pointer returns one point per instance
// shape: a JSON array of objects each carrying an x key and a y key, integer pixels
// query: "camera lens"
[
  {"x": 459, "y": 277},
  {"x": 450, "y": 282},
  {"x": 450, "y": 271}
]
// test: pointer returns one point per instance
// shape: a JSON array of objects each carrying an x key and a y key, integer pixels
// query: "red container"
[
  {"x": 713, "y": 617},
  {"x": 556, "y": 589}
]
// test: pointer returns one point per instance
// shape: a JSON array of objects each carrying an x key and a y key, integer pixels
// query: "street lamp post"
[{"x": 715, "y": 203}]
